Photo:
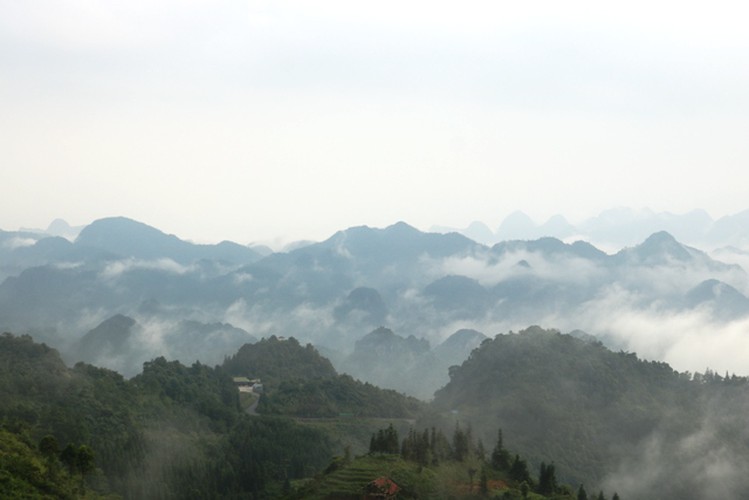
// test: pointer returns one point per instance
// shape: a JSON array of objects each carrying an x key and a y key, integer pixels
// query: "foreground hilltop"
[{"x": 606, "y": 417}]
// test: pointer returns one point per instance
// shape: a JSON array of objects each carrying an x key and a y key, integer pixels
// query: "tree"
[
  {"x": 547, "y": 482},
  {"x": 48, "y": 446},
  {"x": 460, "y": 443},
  {"x": 519, "y": 470},
  {"x": 524, "y": 489},
  {"x": 500, "y": 458},
  {"x": 68, "y": 458},
  {"x": 471, "y": 473},
  {"x": 385, "y": 441},
  {"x": 84, "y": 459},
  {"x": 483, "y": 481},
  {"x": 480, "y": 451},
  {"x": 581, "y": 494}
]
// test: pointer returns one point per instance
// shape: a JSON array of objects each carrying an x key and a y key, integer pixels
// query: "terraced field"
[{"x": 348, "y": 482}]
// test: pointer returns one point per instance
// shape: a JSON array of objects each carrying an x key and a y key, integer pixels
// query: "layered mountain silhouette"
[
  {"x": 126, "y": 237},
  {"x": 617, "y": 227},
  {"x": 425, "y": 285}
]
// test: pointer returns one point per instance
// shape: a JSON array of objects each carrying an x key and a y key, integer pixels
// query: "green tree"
[
  {"x": 519, "y": 470},
  {"x": 524, "y": 489},
  {"x": 385, "y": 441},
  {"x": 84, "y": 459},
  {"x": 480, "y": 451},
  {"x": 471, "y": 473},
  {"x": 581, "y": 494},
  {"x": 483, "y": 482},
  {"x": 547, "y": 482},
  {"x": 460, "y": 443},
  {"x": 500, "y": 458},
  {"x": 68, "y": 458},
  {"x": 48, "y": 446}
]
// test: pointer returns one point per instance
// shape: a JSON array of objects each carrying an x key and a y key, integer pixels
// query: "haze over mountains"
[
  {"x": 617, "y": 228},
  {"x": 430, "y": 315},
  {"x": 660, "y": 298}
]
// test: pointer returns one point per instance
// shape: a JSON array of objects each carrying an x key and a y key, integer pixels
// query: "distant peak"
[
  {"x": 381, "y": 332},
  {"x": 58, "y": 225},
  {"x": 661, "y": 236},
  {"x": 119, "y": 320},
  {"x": 661, "y": 239},
  {"x": 401, "y": 227}
]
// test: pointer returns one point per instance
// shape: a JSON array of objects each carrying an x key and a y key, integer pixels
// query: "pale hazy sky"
[{"x": 263, "y": 119}]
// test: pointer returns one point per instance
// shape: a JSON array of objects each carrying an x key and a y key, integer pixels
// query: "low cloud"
[
  {"x": 690, "y": 340},
  {"x": 702, "y": 464},
  {"x": 488, "y": 270},
  {"x": 120, "y": 267},
  {"x": 19, "y": 242}
]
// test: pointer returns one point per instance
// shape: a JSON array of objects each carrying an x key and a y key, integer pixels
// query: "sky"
[{"x": 274, "y": 121}]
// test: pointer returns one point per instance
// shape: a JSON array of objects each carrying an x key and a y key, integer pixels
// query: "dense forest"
[
  {"x": 606, "y": 418},
  {"x": 173, "y": 431},
  {"x": 176, "y": 431},
  {"x": 572, "y": 412}
]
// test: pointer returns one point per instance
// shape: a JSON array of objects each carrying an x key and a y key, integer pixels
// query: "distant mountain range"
[
  {"x": 202, "y": 301},
  {"x": 617, "y": 228}
]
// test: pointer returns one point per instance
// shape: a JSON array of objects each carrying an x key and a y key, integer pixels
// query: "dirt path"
[{"x": 252, "y": 409}]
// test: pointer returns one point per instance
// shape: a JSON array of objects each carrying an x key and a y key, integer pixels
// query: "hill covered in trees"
[
  {"x": 607, "y": 418},
  {"x": 298, "y": 381},
  {"x": 173, "y": 431},
  {"x": 604, "y": 419},
  {"x": 273, "y": 359},
  {"x": 177, "y": 431}
]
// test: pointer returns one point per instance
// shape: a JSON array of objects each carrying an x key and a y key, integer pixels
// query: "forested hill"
[
  {"x": 607, "y": 418},
  {"x": 298, "y": 381},
  {"x": 175, "y": 431},
  {"x": 274, "y": 359}
]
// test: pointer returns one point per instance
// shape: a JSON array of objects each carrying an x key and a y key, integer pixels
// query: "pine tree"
[
  {"x": 480, "y": 451},
  {"x": 581, "y": 494},
  {"x": 460, "y": 444},
  {"x": 500, "y": 458},
  {"x": 519, "y": 470},
  {"x": 547, "y": 482}
]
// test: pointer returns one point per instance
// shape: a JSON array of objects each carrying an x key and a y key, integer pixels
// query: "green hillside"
[
  {"x": 273, "y": 360},
  {"x": 598, "y": 412}
]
